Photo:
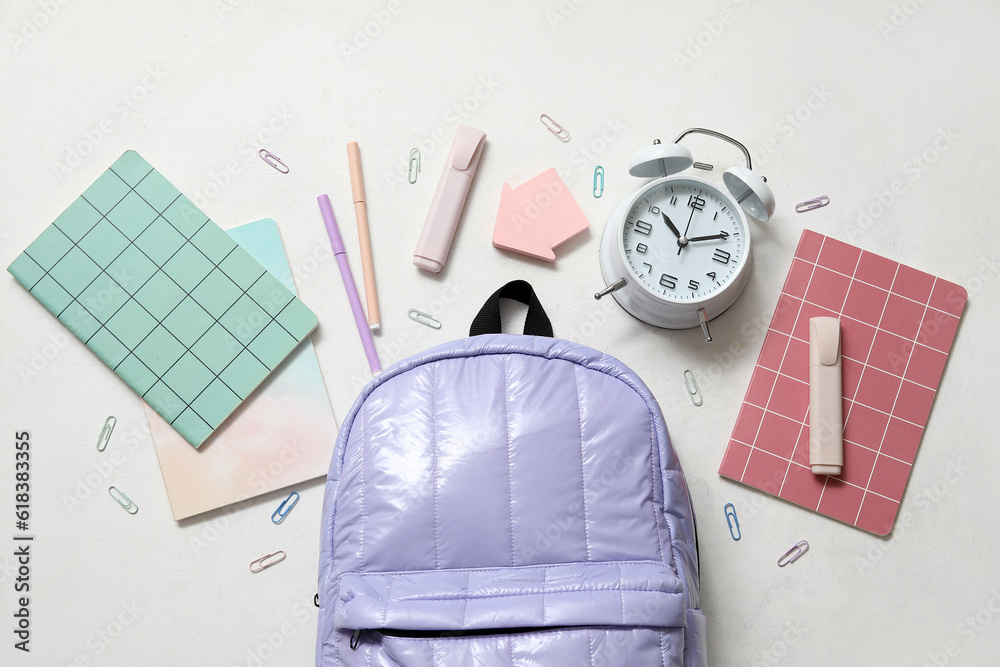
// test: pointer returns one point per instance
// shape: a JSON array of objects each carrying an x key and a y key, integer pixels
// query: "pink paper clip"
[
  {"x": 267, "y": 561},
  {"x": 554, "y": 127},
  {"x": 812, "y": 204},
  {"x": 272, "y": 159}
]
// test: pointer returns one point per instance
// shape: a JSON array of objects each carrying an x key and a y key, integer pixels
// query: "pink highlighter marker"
[
  {"x": 826, "y": 422},
  {"x": 340, "y": 253},
  {"x": 449, "y": 199}
]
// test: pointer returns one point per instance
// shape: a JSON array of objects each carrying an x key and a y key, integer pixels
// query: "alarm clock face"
[{"x": 684, "y": 239}]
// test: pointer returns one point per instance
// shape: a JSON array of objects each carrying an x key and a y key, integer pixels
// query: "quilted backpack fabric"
[{"x": 508, "y": 500}]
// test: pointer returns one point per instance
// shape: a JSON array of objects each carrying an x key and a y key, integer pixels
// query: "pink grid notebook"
[{"x": 897, "y": 326}]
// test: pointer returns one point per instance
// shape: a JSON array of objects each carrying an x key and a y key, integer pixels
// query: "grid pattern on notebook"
[
  {"x": 163, "y": 296},
  {"x": 897, "y": 325}
]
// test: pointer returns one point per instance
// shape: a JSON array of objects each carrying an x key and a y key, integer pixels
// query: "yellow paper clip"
[
  {"x": 285, "y": 507},
  {"x": 812, "y": 204},
  {"x": 414, "y": 167},
  {"x": 598, "y": 181},
  {"x": 123, "y": 500},
  {"x": 692, "y": 387},
  {"x": 793, "y": 554},
  {"x": 734, "y": 523},
  {"x": 267, "y": 561},
  {"x": 554, "y": 127},
  {"x": 272, "y": 159},
  {"x": 109, "y": 426}
]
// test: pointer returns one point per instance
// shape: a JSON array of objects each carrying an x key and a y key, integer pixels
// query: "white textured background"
[{"x": 198, "y": 87}]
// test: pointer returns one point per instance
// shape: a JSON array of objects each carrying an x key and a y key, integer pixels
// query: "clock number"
[
  {"x": 673, "y": 200},
  {"x": 693, "y": 285},
  {"x": 650, "y": 269},
  {"x": 697, "y": 203},
  {"x": 655, "y": 210},
  {"x": 641, "y": 248},
  {"x": 711, "y": 275},
  {"x": 721, "y": 256},
  {"x": 643, "y": 228},
  {"x": 724, "y": 234},
  {"x": 668, "y": 281}
]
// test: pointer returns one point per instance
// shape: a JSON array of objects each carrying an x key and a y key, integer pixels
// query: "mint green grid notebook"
[{"x": 163, "y": 296}]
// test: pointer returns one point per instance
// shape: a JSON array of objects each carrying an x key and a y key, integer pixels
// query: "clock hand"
[
  {"x": 721, "y": 235},
  {"x": 683, "y": 240},
  {"x": 671, "y": 225}
]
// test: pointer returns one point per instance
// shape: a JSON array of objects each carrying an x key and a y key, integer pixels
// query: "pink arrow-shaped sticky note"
[{"x": 537, "y": 216}]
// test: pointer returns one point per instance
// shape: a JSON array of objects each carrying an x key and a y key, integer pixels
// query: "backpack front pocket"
[{"x": 626, "y": 609}]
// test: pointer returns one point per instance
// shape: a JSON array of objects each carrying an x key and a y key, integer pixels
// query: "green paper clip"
[
  {"x": 414, "y": 167},
  {"x": 123, "y": 500},
  {"x": 109, "y": 426},
  {"x": 692, "y": 387}
]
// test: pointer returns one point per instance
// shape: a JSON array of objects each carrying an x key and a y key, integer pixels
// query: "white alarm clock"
[{"x": 676, "y": 253}]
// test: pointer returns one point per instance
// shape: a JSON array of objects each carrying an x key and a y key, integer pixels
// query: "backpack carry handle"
[{"x": 488, "y": 320}]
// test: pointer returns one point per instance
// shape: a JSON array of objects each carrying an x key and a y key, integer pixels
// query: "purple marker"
[{"x": 340, "y": 253}]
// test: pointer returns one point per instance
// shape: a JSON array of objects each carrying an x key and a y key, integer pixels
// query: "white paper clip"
[
  {"x": 414, "y": 168},
  {"x": 793, "y": 554},
  {"x": 123, "y": 500},
  {"x": 273, "y": 160},
  {"x": 109, "y": 426},
  {"x": 692, "y": 387},
  {"x": 812, "y": 204},
  {"x": 554, "y": 127},
  {"x": 267, "y": 561},
  {"x": 423, "y": 318}
]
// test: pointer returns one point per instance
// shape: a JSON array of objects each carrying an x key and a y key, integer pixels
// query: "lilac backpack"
[{"x": 508, "y": 500}]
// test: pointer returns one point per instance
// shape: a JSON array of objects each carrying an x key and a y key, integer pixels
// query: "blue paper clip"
[
  {"x": 285, "y": 507},
  {"x": 598, "y": 177},
  {"x": 734, "y": 523}
]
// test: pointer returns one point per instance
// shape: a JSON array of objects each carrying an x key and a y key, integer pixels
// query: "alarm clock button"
[
  {"x": 660, "y": 160},
  {"x": 750, "y": 191}
]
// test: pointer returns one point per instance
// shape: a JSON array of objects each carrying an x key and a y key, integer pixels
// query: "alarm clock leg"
[
  {"x": 610, "y": 288},
  {"x": 703, "y": 321}
]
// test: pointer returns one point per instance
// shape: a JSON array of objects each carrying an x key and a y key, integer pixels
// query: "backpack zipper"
[{"x": 425, "y": 634}]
